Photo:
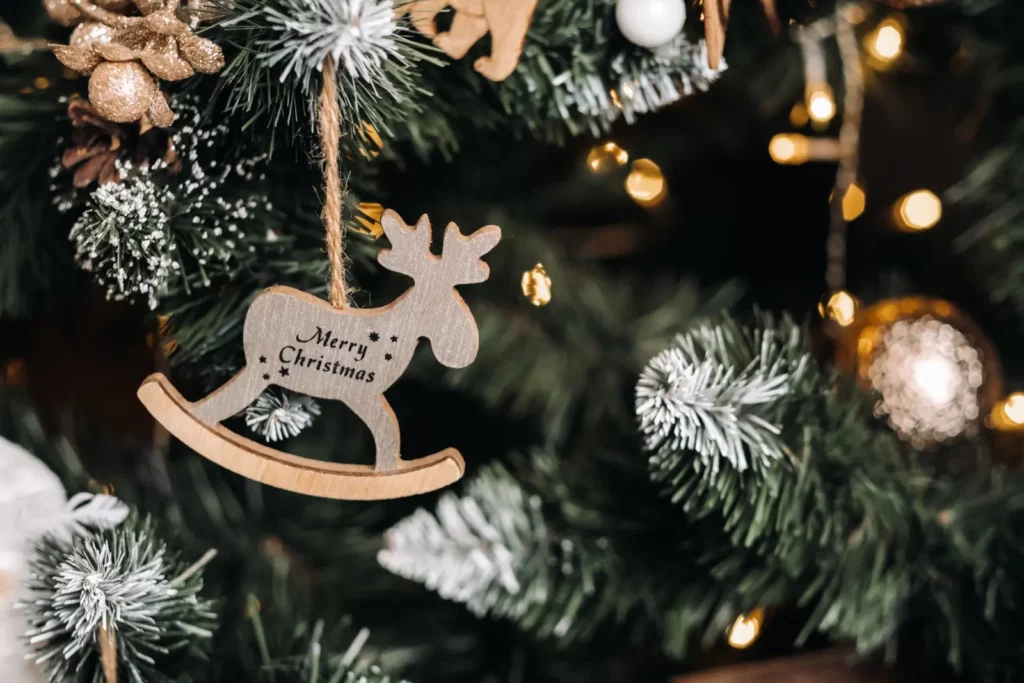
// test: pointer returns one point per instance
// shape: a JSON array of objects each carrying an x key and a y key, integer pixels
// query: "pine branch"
[
  {"x": 493, "y": 550},
  {"x": 30, "y": 132},
  {"x": 274, "y": 77},
  {"x": 567, "y": 366},
  {"x": 315, "y": 654},
  {"x": 713, "y": 390},
  {"x": 126, "y": 580}
]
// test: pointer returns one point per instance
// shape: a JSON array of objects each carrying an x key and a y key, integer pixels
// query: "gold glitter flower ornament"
[{"x": 125, "y": 55}]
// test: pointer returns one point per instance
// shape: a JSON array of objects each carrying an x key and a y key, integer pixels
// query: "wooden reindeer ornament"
[
  {"x": 300, "y": 342},
  {"x": 333, "y": 351},
  {"x": 506, "y": 20}
]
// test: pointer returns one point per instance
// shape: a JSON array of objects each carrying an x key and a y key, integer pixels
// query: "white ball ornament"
[{"x": 650, "y": 23}]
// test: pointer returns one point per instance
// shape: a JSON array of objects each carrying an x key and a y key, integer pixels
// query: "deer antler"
[
  {"x": 410, "y": 248},
  {"x": 461, "y": 254},
  {"x": 460, "y": 258}
]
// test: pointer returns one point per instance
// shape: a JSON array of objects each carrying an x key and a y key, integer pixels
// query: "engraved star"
[
  {"x": 374, "y": 336},
  {"x": 387, "y": 356},
  {"x": 263, "y": 359},
  {"x": 394, "y": 337},
  {"x": 283, "y": 371},
  {"x": 266, "y": 375}
]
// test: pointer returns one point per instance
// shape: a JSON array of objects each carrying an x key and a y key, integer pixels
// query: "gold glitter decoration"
[
  {"x": 936, "y": 375},
  {"x": 65, "y": 11},
  {"x": 89, "y": 32},
  {"x": 537, "y": 286},
  {"x": 124, "y": 55},
  {"x": 121, "y": 91}
]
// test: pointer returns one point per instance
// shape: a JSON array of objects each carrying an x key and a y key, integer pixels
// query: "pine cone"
[{"x": 98, "y": 144}]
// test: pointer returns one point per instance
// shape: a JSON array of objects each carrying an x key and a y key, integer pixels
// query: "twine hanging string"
[
  {"x": 849, "y": 146},
  {"x": 334, "y": 190}
]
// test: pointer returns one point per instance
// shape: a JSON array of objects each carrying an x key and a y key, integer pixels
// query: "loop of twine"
[{"x": 334, "y": 191}]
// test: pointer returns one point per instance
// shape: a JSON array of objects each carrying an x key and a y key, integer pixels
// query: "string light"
[
  {"x": 919, "y": 210},
  {"x": 854, "y": 202},
  {"x": 840, "y": 307},
  {"x": 794, "y": 149},
  {"x": 369, "y": 218},
  {"x": 1013, "y": 408},
  {"x": 1008, "y": 414},
  {"x": 885, "y": 43},
  {"x": 788, "y": 148},
  {"x": 645, "y": 183},
  {"x": 746, "y": 629},
  {"x": 537, "y": 285},
  {"x": 602, "y": 158},
  {"x": 372, "y": 144},
  {"x": 798, "y": 117},
  {"x": 821, "y": 104}
]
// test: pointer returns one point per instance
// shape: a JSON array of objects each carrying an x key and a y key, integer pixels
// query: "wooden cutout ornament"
[
  {"x": 295, "y": 340},
  {"x": 507, "y": 21}
]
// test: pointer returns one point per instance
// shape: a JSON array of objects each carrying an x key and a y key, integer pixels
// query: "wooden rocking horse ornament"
[
  {"x": 333, "y": 351},
  {"x": 300, "y": 342}
]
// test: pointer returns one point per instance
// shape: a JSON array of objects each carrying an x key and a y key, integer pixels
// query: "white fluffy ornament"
[
  {"x": 650, "y": 23},
  {"x": 33, "y": 502}
]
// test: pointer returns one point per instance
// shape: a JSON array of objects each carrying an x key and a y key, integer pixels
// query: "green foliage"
[
  {"x": 29, "y": 135},
  {"x": 492, "y": 549},
  {"x": 127, "y": 580},
  {"x": 313, "y": 653},
  {"x": 577, "y": 74},
  {"x": 568, "y": 365},
  {"x": 274, "y": 76}
]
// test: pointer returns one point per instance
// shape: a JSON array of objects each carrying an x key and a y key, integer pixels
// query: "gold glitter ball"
[
  {"x": 537, "y": 286},
  {"x": 121, "y": 91}
]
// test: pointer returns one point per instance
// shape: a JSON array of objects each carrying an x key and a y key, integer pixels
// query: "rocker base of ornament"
[{"x": 293, "y": 473}]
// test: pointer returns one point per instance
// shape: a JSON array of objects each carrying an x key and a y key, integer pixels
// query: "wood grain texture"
[
  {"x": 506, "y": 20},
  {"x": 292, "y": 473},
  {"x": 716, "y": 19},
  {"x": 300, "y": 342},
  {"x": 831, "y": 666}
]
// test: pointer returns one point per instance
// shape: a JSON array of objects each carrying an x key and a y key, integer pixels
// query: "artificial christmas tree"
[{"x": 689, "y": 456}]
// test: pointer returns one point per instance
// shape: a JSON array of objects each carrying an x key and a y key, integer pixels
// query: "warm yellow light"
[
  {"x": 369, "y": 218},
  {"x": 746, "y": 629},
  {"x": 840, "y": 307},
  {"x": 372, "y": 144},
  {"x": 798, "y": 115},
  {"x": 788, "y": 148},
  {"x": 605, "y": 157},
  {"x": 854, "y": 202},
  {"x": 536, "y": 285},
  {"x": 821, "y": 105},
  {"x": 919, "y": 210},
  {"x": 1013, "y": 408},
  {"x": 885, "y": 43},
  {"x": 645, "y": 182}
]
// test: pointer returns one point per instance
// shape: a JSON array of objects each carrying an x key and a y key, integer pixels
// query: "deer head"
[{"x": 446, "y": 319}]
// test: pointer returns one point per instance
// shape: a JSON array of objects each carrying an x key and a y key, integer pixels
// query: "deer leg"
[
  {"x": 422, "y": 13},
  {"x": 379, "y": 417},
  {"x": 466, "y": 29},
  {"x": 509, "y": 22},
  {"x": 232, "y": 398}
]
